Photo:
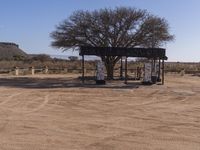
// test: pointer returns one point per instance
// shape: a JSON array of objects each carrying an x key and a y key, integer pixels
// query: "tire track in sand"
[
  {"x": 19, "y": 109},
  {"x": 9, "y": 98},
  {"x": 39, "y": 107}
]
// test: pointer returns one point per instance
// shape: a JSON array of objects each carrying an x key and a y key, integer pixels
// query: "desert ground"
[{"x": 57, "y": 112}]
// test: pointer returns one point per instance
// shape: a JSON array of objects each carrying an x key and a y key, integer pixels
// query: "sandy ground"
[{"x": 58, "y": 113}]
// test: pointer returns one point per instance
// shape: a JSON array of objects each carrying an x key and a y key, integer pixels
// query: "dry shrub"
[{"x": 189, "y": 68}]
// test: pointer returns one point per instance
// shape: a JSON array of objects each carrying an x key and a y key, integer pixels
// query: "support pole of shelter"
[
  {"x": 125, "y": 70},
  {"x": 121, "y": 69},
  {"x": 159, "y": 70},
  {"x": 163, "y": 72},
  {"x": 154, "y": 65},
  {"x": 83, "y": 68}
]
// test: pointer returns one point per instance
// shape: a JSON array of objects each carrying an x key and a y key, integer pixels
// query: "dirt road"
[{"x": 55, "y": 113}]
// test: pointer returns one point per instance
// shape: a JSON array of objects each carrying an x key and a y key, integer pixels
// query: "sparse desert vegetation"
[{"x": 58, "y": 65}]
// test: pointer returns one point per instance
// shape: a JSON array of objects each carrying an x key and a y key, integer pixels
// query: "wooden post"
[
  {"x": 65, "y": 70},
  {"x": 16, "y": 71},
  {"x": 46, "y": 70},
  {"x": 83, "y": 69},
  {"x": 151, "y": 66},
  {"x": 32, "y": 70},
  {"x": 163, "y": 72},
  {"x": 138, "y": 73},
  {"x": 159, "y": 70},
  {"x": 125, "y": 70},
  {"x": 121, "y": 69}
]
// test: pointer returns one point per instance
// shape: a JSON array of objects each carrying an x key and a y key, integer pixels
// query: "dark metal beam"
[{"x": 122, "y": 51}]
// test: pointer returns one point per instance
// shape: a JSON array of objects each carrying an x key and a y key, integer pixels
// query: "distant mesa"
[{"x": 11, "y": 51}]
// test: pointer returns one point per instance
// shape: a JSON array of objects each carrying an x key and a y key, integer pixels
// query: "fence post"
[
  {"x": 46, "y": 70},
  {"x": 65, "y": 70},
  {"x": 16, "y": 71},
  {"x": 32, "y": 70},
  {"x": 182, "y": 72}
]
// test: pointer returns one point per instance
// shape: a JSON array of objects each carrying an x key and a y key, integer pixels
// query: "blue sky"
[{"x": 29, "y": 22}]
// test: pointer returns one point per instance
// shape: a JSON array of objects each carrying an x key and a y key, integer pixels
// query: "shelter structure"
[{"x": 149, "y": 53}]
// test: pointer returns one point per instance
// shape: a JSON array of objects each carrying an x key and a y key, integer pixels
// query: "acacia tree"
[{"x": 119, "y": 27}]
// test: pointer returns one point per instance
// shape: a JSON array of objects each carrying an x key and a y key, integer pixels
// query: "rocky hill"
[{"x": 11, "y": 51}]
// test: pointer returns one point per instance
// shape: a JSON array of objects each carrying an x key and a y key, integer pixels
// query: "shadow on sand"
[{"x": 60, "y": 82}]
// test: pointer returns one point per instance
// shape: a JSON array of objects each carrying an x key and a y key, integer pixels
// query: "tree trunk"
[
  {"x": 110, "y": 70},
  {"x": 110, "y": 62}
]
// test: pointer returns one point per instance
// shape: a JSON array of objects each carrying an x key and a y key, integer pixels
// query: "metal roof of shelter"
[{"x": 157, "y": 53}]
